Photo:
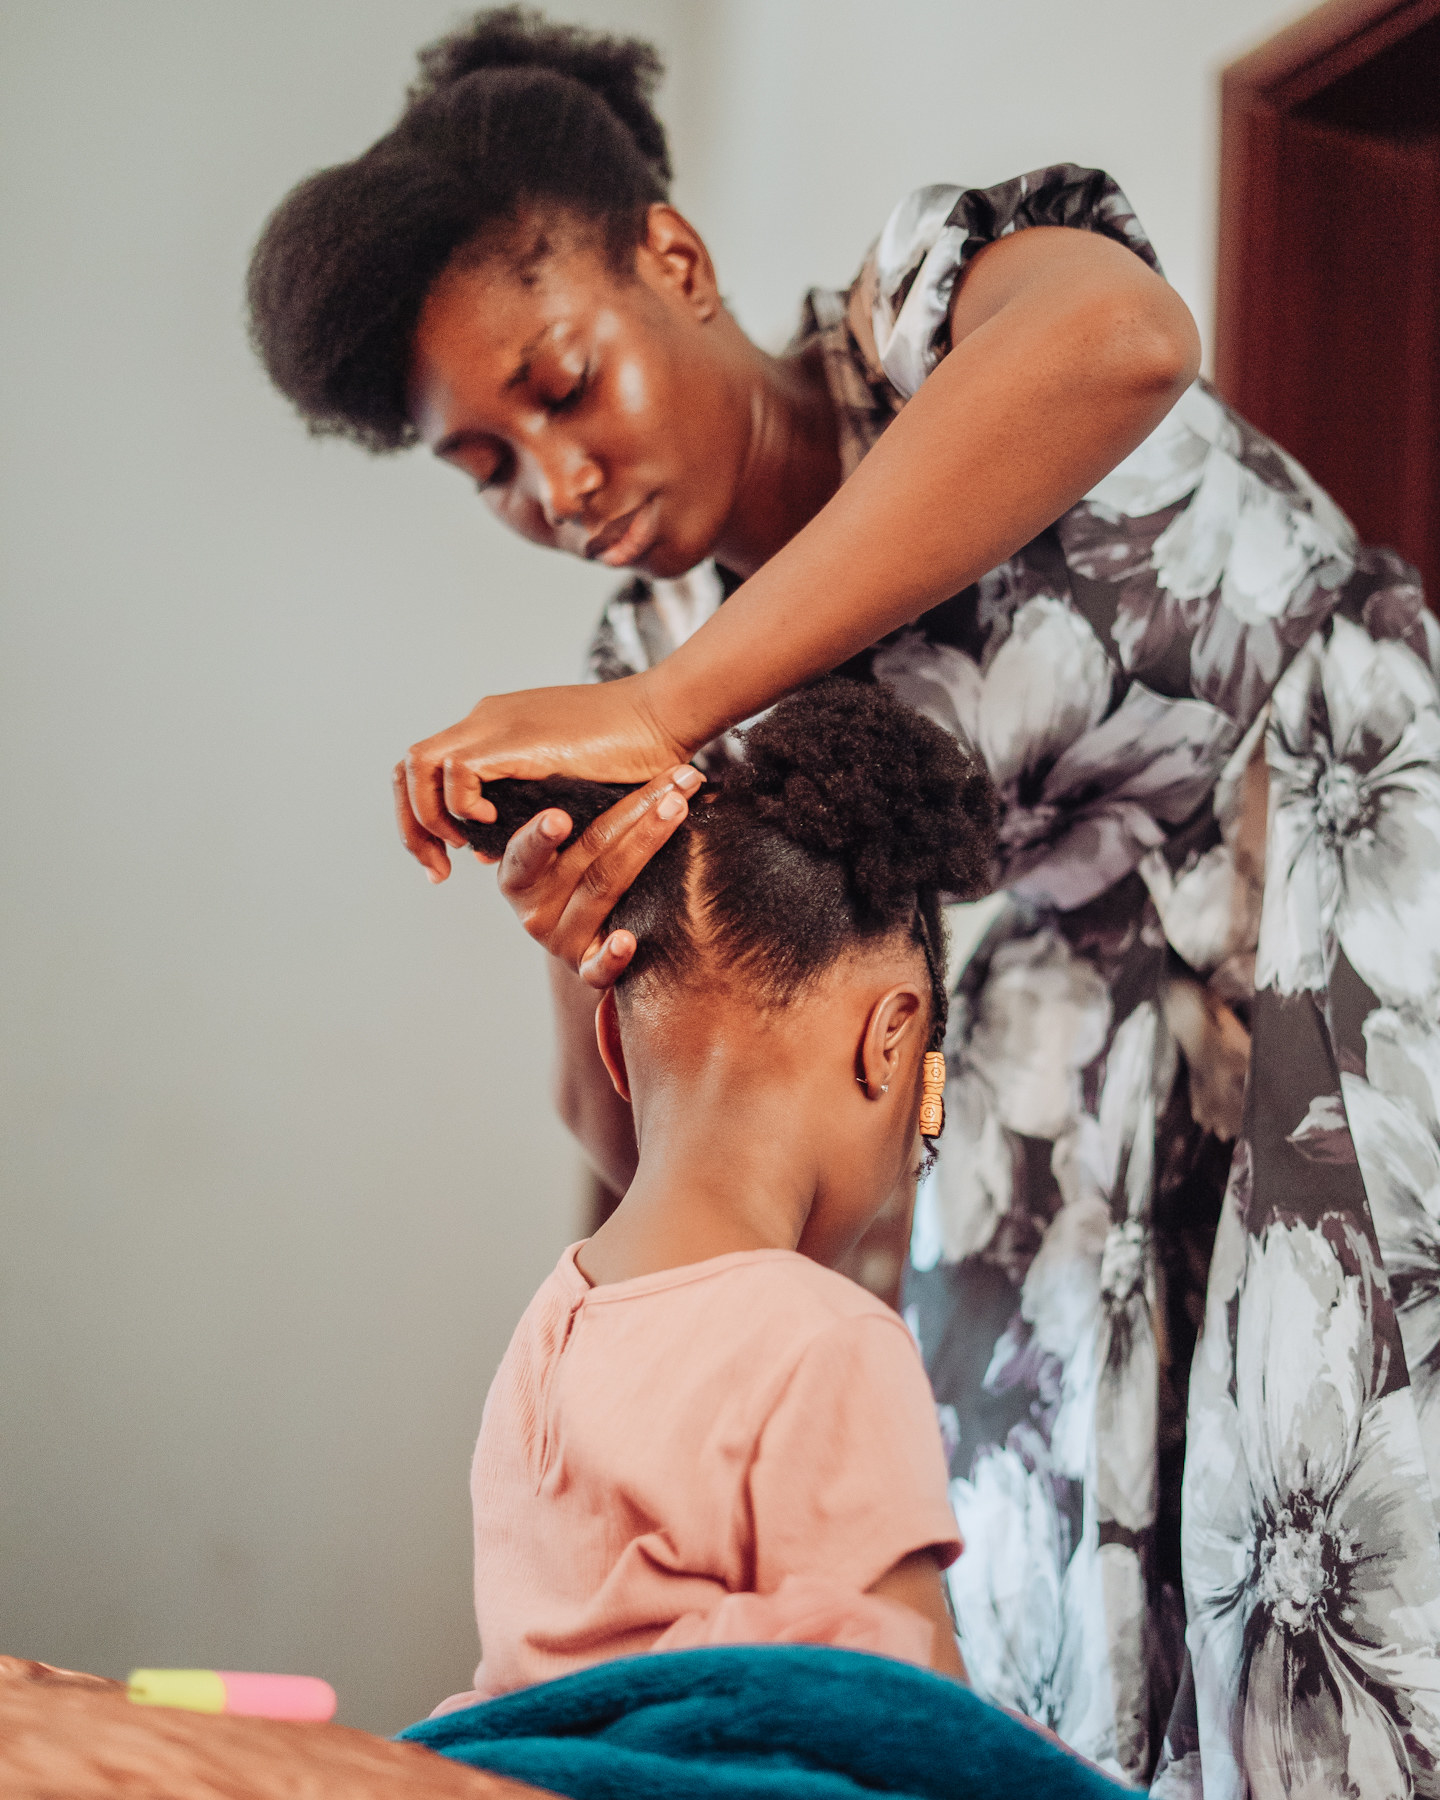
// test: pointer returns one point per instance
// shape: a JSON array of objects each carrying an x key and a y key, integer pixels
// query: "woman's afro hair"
[{"x": 510, "y": 116}]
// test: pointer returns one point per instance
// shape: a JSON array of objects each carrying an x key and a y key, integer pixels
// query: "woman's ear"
[
  {"x": 893, "y": 1023},
  {"x": 672, "y": 257},
  {"x": 607, "y": 1036}
]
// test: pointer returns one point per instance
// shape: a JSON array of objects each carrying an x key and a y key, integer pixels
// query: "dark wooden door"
[{"x": 1328, "y": 322}]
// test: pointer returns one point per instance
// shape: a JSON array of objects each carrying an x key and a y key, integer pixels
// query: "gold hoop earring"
[{"x": 932, "y": 1095}]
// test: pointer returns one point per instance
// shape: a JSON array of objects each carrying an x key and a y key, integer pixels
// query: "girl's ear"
[
  {"x": 607, "y": 1036},
  {"x": 894, "y": 1022}
]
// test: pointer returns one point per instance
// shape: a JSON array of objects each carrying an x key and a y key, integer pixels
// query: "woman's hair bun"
[
  {"x": 623, "y": 71},
  {"x": 848, "y": 771}
]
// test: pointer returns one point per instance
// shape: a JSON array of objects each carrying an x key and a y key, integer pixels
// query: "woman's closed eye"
[
  {"x": 499, "y": 473},
  {"x": 568, "y": 401}
]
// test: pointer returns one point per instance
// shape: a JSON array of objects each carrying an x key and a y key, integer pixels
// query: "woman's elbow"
[{"x": 1155, "y": 346}]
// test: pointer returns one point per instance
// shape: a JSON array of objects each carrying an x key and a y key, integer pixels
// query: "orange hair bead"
[{"x": 932, "y": 1095}]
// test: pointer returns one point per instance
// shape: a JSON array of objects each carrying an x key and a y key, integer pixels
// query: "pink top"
[{"x": 729, "y": 1452}]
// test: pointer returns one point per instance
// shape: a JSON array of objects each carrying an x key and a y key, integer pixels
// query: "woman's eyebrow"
[
  {"x": 457, "y": 440},
  {"x": 522, "y": 370},
  {"x": 468, "y": 434}
]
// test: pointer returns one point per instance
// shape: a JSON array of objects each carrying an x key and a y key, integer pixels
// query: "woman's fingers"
[
  {"x": 604, "y": 861},
  {"x": 564, "y": 896},
  {"x": 461, "y": 790},
  {"x": 530, "y": 855},
  {"x": 603, "y": 731},
  {"x": 428, "y": 850},
  {"x": 425, "y": 787},
  {"x": 607, "y": 959}
]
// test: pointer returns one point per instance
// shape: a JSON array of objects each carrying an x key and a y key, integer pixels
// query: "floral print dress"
[{"x": 1183, "y": 1324}]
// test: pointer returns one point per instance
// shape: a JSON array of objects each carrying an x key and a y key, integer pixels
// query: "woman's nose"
[{"x": 569, "y": 482}]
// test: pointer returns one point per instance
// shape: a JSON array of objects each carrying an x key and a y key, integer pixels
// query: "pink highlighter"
[{"x": 230, "y": 1691}]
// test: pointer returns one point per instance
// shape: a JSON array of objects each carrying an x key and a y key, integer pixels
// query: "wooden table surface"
[{"x": 66, "y": 1736}]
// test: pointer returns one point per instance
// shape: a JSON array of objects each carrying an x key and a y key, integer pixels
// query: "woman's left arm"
[{"x": 1067, "y": 351}]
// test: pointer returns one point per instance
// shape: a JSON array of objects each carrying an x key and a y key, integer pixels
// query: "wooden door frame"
[
  {"x": 1276, "y": 78},
  {"x": 1279, "y": 124}
]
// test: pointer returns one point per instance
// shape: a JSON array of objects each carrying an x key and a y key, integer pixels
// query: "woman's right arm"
[{"x": 1067, "y": 350}]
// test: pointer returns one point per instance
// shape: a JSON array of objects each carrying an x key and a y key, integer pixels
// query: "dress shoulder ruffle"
[{"x": 909, "y": 279}]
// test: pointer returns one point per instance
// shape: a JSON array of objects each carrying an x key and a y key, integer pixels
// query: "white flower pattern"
[
  {"x": 1030, "y": 1606},
  {"x": 1041, "y": 1017},
  {"x": 1394, "y": 1114},
  {"x": 1313, "y": 1578},
  {"x": 1115, "y": 675},
  {"x": 1088, "y": 788},
  {"x": 1355, "y": 791}
]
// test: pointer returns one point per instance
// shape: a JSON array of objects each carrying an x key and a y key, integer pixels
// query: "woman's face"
[{"x": 598, "y": 413}]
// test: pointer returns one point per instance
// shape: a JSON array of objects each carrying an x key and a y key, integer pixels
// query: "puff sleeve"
[
  {"x": 849, "y": 1473},
  {"x": 932, "y": 234}
]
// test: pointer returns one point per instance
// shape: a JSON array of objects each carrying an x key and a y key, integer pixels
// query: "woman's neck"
[{"x": 792, "y": 465}]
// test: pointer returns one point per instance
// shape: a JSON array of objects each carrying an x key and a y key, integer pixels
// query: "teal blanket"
[{"x": 774, "y": 1722}]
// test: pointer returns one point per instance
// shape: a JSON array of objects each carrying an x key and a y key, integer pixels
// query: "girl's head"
[
  {"x": 790, "y": 945},
  {"x": 500, "y": 277}
]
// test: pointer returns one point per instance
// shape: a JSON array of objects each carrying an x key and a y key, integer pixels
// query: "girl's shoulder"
[
  {"x": 756, "y": 1280},
  {"x": 753, "y": 1310}
]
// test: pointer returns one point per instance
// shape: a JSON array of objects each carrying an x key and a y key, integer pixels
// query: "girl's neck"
[
  {"x": 792, "y": 465},
  {"x": 717, "y": 1174}
]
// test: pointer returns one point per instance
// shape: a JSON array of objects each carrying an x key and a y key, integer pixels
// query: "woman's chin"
[{"x": 665, "y": 561}]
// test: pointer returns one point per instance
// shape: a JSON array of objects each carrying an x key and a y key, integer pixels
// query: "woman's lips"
[{"x": 626, "y": 539}]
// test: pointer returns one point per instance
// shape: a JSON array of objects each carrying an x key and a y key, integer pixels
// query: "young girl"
[{"x": 701, "y": 1434}]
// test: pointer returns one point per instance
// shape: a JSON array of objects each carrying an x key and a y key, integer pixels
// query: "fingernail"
[
  {"x": 432, "y": 877},
  {"x": 553, "y": 826},
  {"x": 671, "y": 807},
  {"x": 688, "y": 778}
]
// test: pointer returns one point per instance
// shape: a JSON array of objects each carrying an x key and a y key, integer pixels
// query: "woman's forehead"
[
  {"x": 497, "y": 307},
  {"x": 482, "y": 328}
]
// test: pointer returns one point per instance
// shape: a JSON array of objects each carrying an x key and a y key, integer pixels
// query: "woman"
[{"x": 986, "y": 476}]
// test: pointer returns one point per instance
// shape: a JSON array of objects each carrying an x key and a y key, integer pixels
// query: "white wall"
[
  {"x": 279, "y": 1171},
  {"x": 827, "y": 111},
  {"x": 279, "y": 1168}
]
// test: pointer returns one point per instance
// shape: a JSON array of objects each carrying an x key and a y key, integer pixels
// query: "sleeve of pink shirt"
[{"x": 849, "y": 1473}]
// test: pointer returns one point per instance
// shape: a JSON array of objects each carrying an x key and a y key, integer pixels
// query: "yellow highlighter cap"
[{"x": 193, "y": 1690}]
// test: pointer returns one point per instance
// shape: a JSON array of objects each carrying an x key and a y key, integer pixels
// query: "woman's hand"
[
  {"x": 563, "y": 897},
  {"x": 608, "y": 731}
]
